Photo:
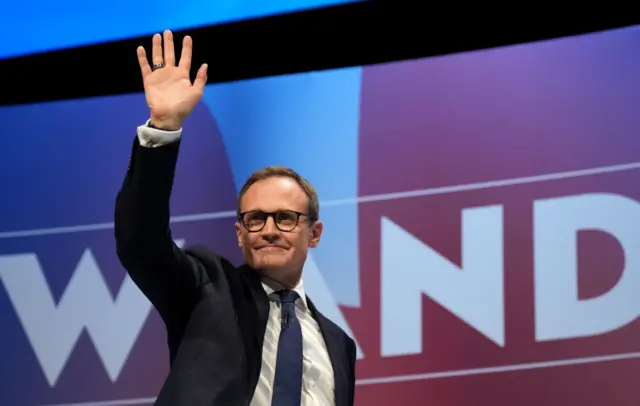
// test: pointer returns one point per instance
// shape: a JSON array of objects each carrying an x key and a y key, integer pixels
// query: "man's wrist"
[
  {"x": 152, "y": 137},
  {"x": 164, "y": 125}
]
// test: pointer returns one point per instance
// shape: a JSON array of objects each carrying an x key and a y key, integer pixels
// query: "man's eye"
[
  {"x": 253, "y": 217},
  {"x": 286, "y": 216}
]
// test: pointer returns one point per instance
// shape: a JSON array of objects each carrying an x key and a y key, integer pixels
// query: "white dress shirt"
[{"x": 317, "y": 372}]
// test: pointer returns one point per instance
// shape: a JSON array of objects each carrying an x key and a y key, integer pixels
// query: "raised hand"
[{"x": 170, "y": 94}]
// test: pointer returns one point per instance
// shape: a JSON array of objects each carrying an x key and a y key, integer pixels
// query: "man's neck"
[{"x": 283, "y": 280}]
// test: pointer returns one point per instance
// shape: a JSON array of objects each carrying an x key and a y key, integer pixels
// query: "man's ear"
[
  {"x": 239, "y": 234},
  {"x": 316, "y": 233}
]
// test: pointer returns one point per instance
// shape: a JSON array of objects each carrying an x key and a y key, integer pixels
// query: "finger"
[
  {"x": 143, "y": 62},
  {"x": 185, "y": 56},
  {"x": 201, "y": 78},
  {"x": 169, "y": 52},
  {"x": 156, "y": 50}
]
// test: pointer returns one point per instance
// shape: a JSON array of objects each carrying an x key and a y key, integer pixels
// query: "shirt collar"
[{"x": 271, "y": 287}]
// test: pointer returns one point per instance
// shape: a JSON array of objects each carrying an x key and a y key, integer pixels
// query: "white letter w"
[{"x": 53, "y": 331}]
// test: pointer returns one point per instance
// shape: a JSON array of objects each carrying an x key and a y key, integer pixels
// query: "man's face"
[{"x": 275, "y": 252}]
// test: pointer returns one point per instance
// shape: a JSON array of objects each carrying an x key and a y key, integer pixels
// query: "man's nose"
[{"x": 270, "y": 228}]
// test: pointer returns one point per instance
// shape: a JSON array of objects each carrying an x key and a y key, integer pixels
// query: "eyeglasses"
[{"x": 255, "y": 220}]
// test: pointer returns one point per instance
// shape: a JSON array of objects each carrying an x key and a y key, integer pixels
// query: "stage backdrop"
[
  {"x": 482, "y": 217},
  {"x": 69, "y": 23}
]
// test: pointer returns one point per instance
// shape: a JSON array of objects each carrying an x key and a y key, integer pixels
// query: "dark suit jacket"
[{"x": 215, "y": 313}]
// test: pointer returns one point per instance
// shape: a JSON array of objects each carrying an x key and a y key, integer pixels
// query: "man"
[{"x": 237, "y": 336}]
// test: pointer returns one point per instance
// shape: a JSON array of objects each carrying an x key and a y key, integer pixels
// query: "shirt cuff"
[{"x": 153, "y": 137}]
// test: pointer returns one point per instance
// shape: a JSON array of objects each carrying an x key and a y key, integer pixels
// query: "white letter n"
[{"x": 473, "y": 292}]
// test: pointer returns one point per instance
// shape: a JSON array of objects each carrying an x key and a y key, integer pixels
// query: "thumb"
[{"x": 201, "y": 78}]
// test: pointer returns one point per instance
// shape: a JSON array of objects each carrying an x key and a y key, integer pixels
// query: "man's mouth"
[{"x": 270, "y": 247}]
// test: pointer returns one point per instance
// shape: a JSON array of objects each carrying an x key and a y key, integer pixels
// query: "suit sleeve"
[
  {"x": 352, "y": 371},
  {"x": 168, "y": 277}
]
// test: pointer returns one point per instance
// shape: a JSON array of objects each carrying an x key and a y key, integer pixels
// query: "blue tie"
[{"x": 287, "y": 385}]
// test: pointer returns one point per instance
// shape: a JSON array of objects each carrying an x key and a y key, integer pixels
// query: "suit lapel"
[
  {"x": 335, "y": 348},
  {"x": 260, "y": 298},
  {"x": 253, "y": 322}
]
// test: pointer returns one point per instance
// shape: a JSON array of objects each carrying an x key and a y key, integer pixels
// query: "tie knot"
[{"x": 288, "y": 296}]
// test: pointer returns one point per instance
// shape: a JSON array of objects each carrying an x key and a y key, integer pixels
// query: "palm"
[{"x": 169, "y": 92}]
